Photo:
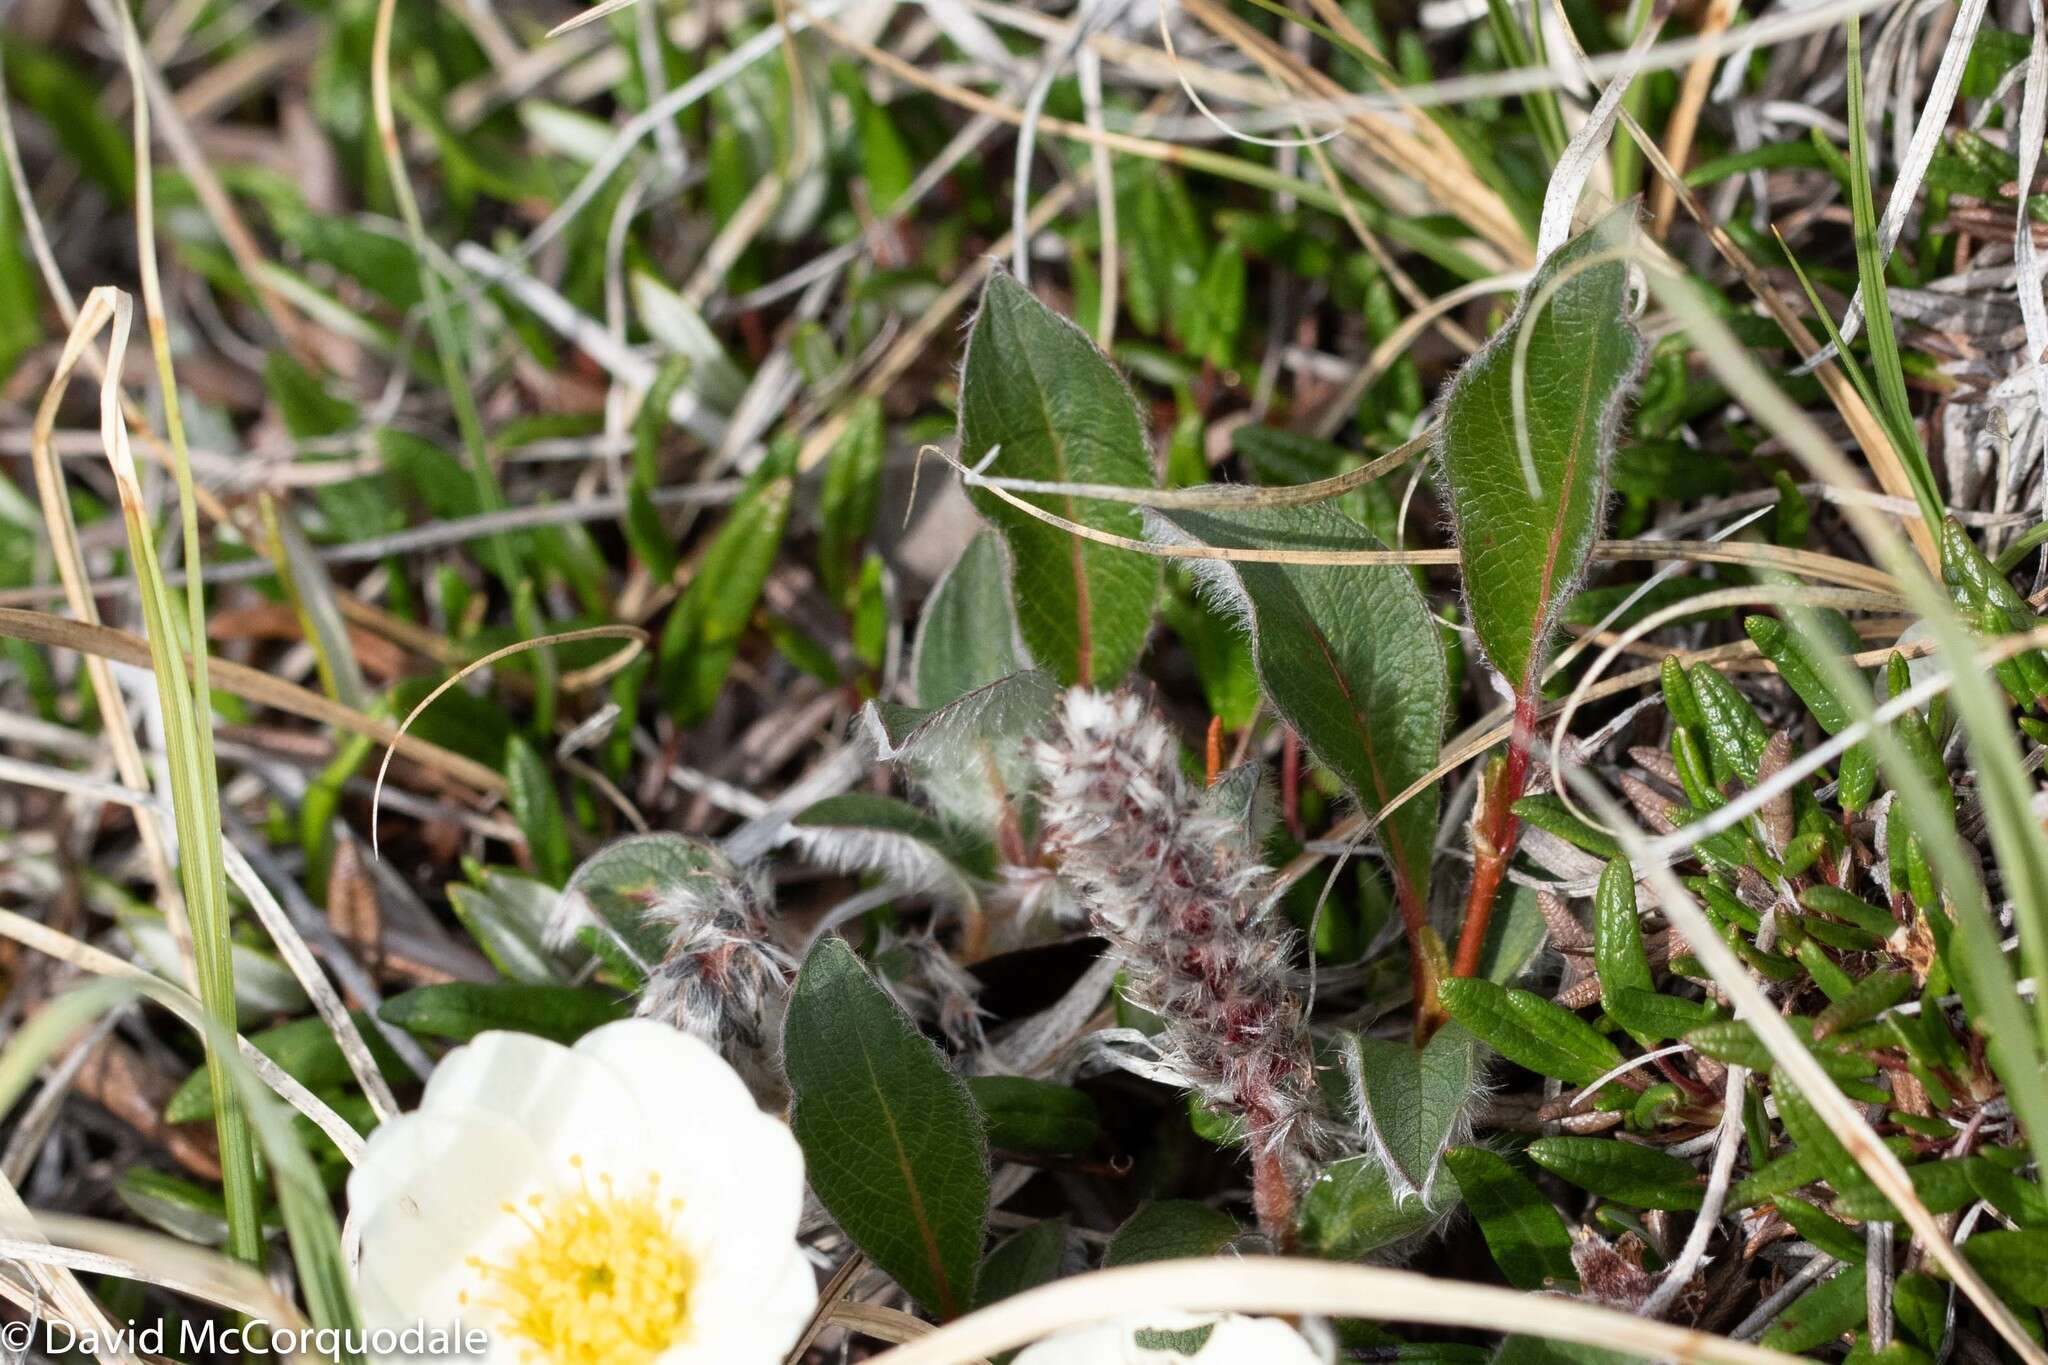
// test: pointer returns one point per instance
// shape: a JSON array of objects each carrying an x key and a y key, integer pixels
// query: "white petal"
[
  {"x": 735, "y": 1166},
  {"x": 561, "y": 1100},
  {"x": 662, "y": 1059},
  {"x": 735, "y": 1322},
  {"x": 430, "y": 1189},
  {"x": 1101, "y": 1344},
  {"x": 1256, "y": 1341}
]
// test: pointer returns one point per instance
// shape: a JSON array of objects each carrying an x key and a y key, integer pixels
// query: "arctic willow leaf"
[
  {"x": 1349, "y": 654},
  {"x": 1037, "y": 393},
  {"x": 1412, "y": 1100},
  {"x": 1169, "y": 1230},
  {"x": 891, "y": 1138},
  {"x": 1522, "y": 553},
  {"x": 1352, "y": 1211},
  {"x": 967, "y": 636}
]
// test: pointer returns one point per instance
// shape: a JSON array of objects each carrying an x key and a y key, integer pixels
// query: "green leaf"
[
  {"x": 507, "y": 919},
  {"x": 2023, "y": 1201},
  {"x": 1523, "y": 1350},
  {"x": 1530, "y": 1031},
  {"x": 2014, "y": 1261},
  {"x": 1039, "y": 1117},
  {"x": 615, "y": 886},
  {"x": 1921, "y": 1304},
  {"x": 1888, "y": 370},
  {"x": 702, "y": 636},
  {"x": 969, "y": 755},
  {"x": 1038, "y": 393},
  {"x": 530, "y": 792},
  {"x": 846, "y": 503},
  {"x": 1411, "y": 1100},
  {"x": 1522, "y": 554},
  {"x": 1351, "y": 1211},
  {"x": 868, "y": 831},
  {"x": 1169, "y": 1230},
  {"x": 20, "y": 326},
  {"x": 69, "y": 102},
  {"x": 1529, "y": 1242},
  {"x": 1656, "y": 1015},
  {"x": 1622, "y": 1171},
  {"x": 1024, "y": 1260},
  {"x": 1547, "y": 811},
  {"x": 1349, "y": 654},
  {"x": 1618, "y": 955},
  {"x": 1810, "y": 1222},
  {"x": 304, "y": 1048},
  {"x": 967, "y": 636},
  {"x": 1943, "y": 1186},
  {"x": 1834, "y": 1306},
  {"x": 1871, "y": 996},
  {"x": 1808, "y": 1130},
  {"x": 890, "y": 1135},
  {"x": 460, "y": 1010}
]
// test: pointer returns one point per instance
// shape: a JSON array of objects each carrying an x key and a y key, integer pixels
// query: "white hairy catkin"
[
  {"x": 1178, "y": 890},
  {"x": 725, "y": 976}
]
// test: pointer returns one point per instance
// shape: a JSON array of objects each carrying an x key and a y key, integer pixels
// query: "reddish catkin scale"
[{"x": 1179, "y": 892}]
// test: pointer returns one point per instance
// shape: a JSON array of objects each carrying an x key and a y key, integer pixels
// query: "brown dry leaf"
[
  {"x": 352, "y": 904},
  {"x": 120, "y": 1082}
]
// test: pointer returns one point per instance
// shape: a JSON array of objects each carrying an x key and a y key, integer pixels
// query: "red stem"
[
  {"x": 1495, "y": 830},
  {"x": 1273, "y": 1199}
]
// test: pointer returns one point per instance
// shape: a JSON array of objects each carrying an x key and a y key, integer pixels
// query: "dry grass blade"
[
  {"x": 183, "y": 690},
  {"x": 591, "y": 16},
  {"x": 71, "y": 571},
  {"x": 53, "y": 1277},
  {"x": 253, "y": 685},
  {"x": 1216, "y": 495},
  {"x": 1277, "y": 1285},
  {"x": 298, "y": 957},
  {"x": 635, "y": 637},
  {"x": 1807, "y": 563},
  {"x": 128, "y": 1253},
  {"x": 84, "y": 956}
]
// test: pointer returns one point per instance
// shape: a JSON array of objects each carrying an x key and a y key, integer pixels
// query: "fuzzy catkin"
[
  {"x": 724, "y": 977},
  {"x": 1178, "y": 892}
]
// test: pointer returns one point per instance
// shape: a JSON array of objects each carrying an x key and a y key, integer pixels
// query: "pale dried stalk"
[
  {"x": 1278, "y": 1285},
  {"x": 1685, "y": 116},
  {"x": 252, "y": 685},
  {"x": 54, "y": 1278},
  {"x": 65, "y": 948},
  {"x": 636, "y": 640},
  {"x": 72, "y": 572}
]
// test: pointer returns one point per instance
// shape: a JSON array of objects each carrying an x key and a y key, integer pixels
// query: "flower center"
[{"x": 600, "y": 1280}]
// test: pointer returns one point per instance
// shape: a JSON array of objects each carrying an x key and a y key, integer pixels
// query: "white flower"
[
  {"x": 1174, "y": 1338},
  {"x": 622, "y": 1202}
]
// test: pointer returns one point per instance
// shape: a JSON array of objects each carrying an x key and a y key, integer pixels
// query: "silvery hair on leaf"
[{"x": 1177, "y": 888}]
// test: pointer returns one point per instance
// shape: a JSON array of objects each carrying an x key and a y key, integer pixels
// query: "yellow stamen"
[{"x": 601, "y": 1280}]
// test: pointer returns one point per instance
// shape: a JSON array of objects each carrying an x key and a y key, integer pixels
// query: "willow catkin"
[{"x": 1179, "y": 892}]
